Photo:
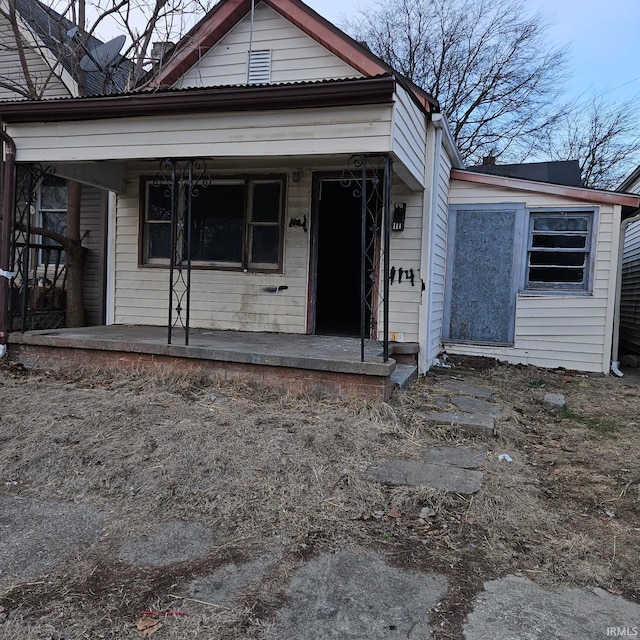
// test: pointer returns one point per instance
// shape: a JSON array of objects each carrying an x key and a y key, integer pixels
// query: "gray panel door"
[{"x": 482, "y": 295}]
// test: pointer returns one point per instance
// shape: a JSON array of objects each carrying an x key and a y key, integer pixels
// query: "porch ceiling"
[{"x": 104, "y": 175}]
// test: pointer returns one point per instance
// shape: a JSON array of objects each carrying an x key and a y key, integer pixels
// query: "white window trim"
[{"x": 587, "y": 288}]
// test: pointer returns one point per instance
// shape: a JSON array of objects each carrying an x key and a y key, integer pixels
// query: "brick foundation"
[{"x": 343, "y": 385}]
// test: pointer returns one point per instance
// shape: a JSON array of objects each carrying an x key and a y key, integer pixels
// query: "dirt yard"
[{"x": 276, "y": 479}]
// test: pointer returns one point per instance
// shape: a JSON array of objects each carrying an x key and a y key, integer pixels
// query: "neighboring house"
[
  {"x": 268, "y": 116},
  {"x": 565, "y": 172},
  {"x": 47, "y": 76},
  {"x": 630, "y": 274},
  {"x": 52, "y": 73}
]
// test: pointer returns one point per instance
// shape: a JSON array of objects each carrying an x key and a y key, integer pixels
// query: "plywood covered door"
[{"x": 485, "y": 249}]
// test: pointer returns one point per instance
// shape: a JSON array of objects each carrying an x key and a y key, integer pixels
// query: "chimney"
[
  {"x": 490, "y": 159},
  {"x": 159, "y": 49}
]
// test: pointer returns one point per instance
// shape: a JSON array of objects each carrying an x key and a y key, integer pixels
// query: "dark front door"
[{"x": 338, "y": 255}]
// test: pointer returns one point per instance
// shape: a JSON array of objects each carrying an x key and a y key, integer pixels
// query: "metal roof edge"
[
  {"x": 353, "y": 92},
  {"x": 577, "y": 193}
]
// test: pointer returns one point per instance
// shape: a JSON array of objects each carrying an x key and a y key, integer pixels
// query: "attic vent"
[{"x": 260, "y": 66}]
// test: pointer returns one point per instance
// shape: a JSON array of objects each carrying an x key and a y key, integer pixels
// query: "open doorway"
[{"x": 337, "y": 261}]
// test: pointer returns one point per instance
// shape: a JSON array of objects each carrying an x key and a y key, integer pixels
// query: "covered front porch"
[{"x": 321, "y": 364}]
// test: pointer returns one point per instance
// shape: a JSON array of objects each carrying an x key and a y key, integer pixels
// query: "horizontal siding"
[
  {"x": 237, "y": 301},
  {"x": 295, "y": 57},
  {"x": 572, "y": 331},
  {"x": 630, "y": 294},
  {"x": 92, "y": 228},
  {"x": 295, "y": 132},
  {"x": 46, "y": 83},
  {"x": 219, "y": 299},
  {"x": 404, "y": 299},
  {"x": 409, "y": 135}
]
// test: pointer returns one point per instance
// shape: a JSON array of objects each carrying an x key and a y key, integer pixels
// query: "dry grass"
[{"x": 282, "y": 475}]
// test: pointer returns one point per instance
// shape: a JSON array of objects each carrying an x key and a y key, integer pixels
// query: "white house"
[{"x": 280, "y": 178}]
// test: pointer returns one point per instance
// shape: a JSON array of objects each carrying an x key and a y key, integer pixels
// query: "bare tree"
[
  {"x": 34, "y": 59},
  {"x": 486, "y": 61},
  {"x": 603, "y": 136}
]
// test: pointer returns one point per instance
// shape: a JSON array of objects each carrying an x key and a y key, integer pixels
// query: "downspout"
[
  {"x": 8, "y": 160},
  {"x": 615, "y": 346}
]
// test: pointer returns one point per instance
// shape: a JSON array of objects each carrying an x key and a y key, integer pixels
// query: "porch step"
[{"x": 404, "y": 376}]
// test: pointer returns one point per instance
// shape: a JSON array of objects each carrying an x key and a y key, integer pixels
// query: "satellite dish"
[{"x": 103, "y": 55}]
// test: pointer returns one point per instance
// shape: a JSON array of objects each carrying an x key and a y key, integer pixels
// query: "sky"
[{"x": 601, "y": 38}]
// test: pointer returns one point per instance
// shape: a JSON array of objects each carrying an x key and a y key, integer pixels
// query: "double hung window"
[
  {"x": 236, "y": 223},
  {"x": 559, "y": 253}
]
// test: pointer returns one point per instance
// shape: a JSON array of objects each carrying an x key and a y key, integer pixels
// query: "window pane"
[
  {"x": 560, "y": 223},
  {"x": 217, "y": 223},
  {"x": 53, "y": 193},
  {"x": 55, "y": 221},
  {"x": 266, "y": 202},
  {"x": 560, "y": 241},
  {"x": 558, "y": 258},
  {"x": 265, "y": 248},
  {"x": 159, "y": 240},
  {"x": 550, "y": 275},
  {"x": 159, "y": 203}
]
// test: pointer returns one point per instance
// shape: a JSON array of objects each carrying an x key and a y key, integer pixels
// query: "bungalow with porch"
[{"x": 284, "y": 204}]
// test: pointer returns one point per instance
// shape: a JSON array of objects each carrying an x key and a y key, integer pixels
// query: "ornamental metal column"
[
  {"x": 371, "y": 178},
  {"x": 28, "y": 181},
  {"x": 182, "y": 181}
]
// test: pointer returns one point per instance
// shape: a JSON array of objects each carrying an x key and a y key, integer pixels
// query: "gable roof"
[
  {"x": 51, "y": 29},
  {"x": 228, "y": 13}
]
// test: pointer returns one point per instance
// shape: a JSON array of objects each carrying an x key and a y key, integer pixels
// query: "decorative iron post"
[
  {"x": 386, "y": 251},
  {"x": 182, "y": 181},
  {"x": 371, "y": 176},
  {"x": 26, "y": 198}
]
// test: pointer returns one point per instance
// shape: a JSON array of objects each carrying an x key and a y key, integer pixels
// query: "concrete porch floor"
[{"x": 327, "y": 364}]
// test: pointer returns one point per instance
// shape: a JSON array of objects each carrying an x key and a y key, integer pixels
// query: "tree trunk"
[{"x": 74, "y": 258}]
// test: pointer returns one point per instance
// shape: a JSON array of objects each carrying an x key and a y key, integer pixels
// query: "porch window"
[
  {"x": 560, "y": 250},
  {"x": 52, "y": 215},
  {"x": 236, "y": 223}
]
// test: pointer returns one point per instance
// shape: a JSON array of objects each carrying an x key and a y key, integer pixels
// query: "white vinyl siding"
[
  {"x": 46, "y": 82},
  {"x": 404, "y": 299},
  {"x": 555, "y": 330},
  {"x": 630, "y": 293},
  {"x": 296, "y": 132},
  {"x": 295, "y": 56},
  {"x": 92, "y": 227},
  {"x": 219, "y": 299},
  {"x": 409, "y": 138}
]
